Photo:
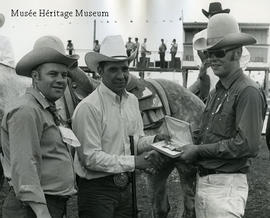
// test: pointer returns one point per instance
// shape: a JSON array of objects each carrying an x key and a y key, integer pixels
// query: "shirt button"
[
  {"x": 212, "y": 113},
  {"x": 207, "y": 128},
  {"x": 218, "y": 99}
]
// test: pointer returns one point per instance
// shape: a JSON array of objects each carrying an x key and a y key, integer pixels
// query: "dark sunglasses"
[{"x": 220, "y": 53}]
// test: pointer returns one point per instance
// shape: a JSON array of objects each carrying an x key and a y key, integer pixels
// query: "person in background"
[
  {"x": 136, "y": 48},
  {"x": 105, "y": 123},
  {"x": 70, "y": 47},
  {"x": 96, "y": 46},
  {"x": 162, "y": 50},
  {"x": 144, "y": 52},
  {"x": 129, "y": 46},
  {"x": 7, "y": 63},
  {"x": 37, "y": 161},
  {"x": 173, "y": 52},
  {"x": 231, "y": 125},
  {"x": 7, "y": 53}
]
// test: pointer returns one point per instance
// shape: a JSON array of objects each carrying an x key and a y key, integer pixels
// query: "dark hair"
[{"x": 101, "y": 64}]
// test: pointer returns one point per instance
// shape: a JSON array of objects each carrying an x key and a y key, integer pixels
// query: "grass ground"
[{"x": 258, "y": 205}]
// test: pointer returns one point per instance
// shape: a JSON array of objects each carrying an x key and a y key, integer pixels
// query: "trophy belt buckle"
[{"x": 121, "y": 180}]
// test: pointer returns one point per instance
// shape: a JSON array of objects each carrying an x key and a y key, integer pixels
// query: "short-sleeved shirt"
[
  {"x": 129, "y": 45},
  {"x": 174, "y": 48},
  {"x": 162, "y": 48}
]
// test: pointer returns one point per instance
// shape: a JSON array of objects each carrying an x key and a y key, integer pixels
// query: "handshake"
[{"x": 152, "y": 161}]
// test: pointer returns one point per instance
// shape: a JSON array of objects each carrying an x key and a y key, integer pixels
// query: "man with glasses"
[
  {"x": 231, "y": 124},
  {"x": 207, "y": 80}
]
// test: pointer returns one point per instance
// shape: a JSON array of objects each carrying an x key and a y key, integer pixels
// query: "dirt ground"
[{"x": 258, "y": 205}]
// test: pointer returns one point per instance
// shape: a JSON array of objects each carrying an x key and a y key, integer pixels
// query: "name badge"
[{"x": 69, "y": 137}]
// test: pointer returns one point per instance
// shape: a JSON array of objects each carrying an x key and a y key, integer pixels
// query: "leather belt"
[
  {"x": 121, "y": 180},
  {"x": 204, "y": 172},
  {"x": 58, "y": 197}
]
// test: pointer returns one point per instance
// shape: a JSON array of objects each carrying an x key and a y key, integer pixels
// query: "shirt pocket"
[{"x": 223, "y": 124}]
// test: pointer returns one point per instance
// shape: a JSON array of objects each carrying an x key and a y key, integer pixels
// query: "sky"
[{"x": 153, "y": 19}]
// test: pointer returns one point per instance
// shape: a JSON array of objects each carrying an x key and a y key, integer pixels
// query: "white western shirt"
[{"x": 103, "y": 125}]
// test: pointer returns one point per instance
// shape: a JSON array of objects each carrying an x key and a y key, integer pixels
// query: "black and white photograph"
[{"x": 86, "y": 91}]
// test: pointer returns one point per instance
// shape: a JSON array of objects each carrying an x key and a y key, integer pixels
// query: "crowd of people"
[
  {"x": 142, "y": 49},
  {"x": 107, "y": 130}
]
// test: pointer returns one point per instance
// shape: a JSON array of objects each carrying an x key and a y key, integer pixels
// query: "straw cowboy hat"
[
  {"x": 47, "y": 49},
  {"x": 2, "y": 19},
  {"x": 112, "y": 49},
  {"x": 223, "y": 31},
  {"x": 215, "y": 8}
]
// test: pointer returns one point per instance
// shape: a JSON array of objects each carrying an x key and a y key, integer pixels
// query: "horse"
[
  {"x": 157, "y": 98},
  {"x": 165, "y": 97}
]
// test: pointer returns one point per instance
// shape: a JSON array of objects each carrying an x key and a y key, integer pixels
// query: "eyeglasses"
[{"x": 220, "y": 53}]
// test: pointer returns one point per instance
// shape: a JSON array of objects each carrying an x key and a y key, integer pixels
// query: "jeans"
[
  {"x": 14, "y": 208},
  {"x": 101, "y": 198},
  {"x": 221, "y": 195},
  {"x": 143, "y": 64},
  {"x": 173, "y": 60},
  {"x": 162, "y": 59}
]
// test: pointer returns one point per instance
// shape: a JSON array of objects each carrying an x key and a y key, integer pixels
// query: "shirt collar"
[
  {"x": 229, "y": 80},
  {"x": 38, "y": 96},
  {"x": 110, "y": 93}
]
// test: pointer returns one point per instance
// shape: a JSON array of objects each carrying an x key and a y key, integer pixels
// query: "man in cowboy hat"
[
  {"x": 103, "y": 123},
  {"x": 214, "y": 8},
  {"x": 231, "y": 124},
  {"x": 36, "y": 159},
  {"x": 207, "y": 80}
]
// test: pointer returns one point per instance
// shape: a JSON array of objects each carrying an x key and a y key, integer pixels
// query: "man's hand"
[
  {"x": 189, "y": 153},
  {"x": 202, "y": 56},
  {"x": 161, "y": 137},
  {"x": 141, "y": 162},
  {"x": 157, "y": 159},
  {"x": 151, "y": 162},
  {"x": 205, "y": 64}
]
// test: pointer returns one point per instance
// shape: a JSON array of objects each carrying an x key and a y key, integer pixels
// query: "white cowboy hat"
[
  {"x": 112, "y": 48},
  {"x": 223, "y": 31},
  {"x": 47, "y": 49},
  {"x": 2, "y": 19}
]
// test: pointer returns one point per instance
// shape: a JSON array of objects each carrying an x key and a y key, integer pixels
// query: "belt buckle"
[{"x": 121, "y": 180}]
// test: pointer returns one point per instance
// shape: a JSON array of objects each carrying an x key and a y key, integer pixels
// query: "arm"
[
  {"x": 249, "y": 122},
  {"x": 25, "y": 157},
  {"x": 142, "y": 142},
  {"x": 201, "y": 86},
  {"x": 41, "y": 210}
]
